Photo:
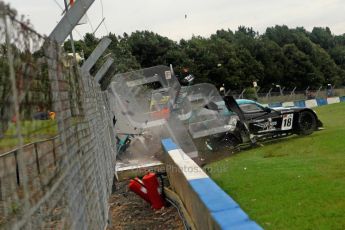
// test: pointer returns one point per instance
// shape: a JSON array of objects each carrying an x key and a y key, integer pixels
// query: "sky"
[{"x": 179, "y": 19}]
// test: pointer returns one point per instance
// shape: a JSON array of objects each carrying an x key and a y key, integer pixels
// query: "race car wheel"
[{"x": 306, "y": 123}]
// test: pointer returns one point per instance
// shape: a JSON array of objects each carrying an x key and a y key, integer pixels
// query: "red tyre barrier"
[
  {"x": 151, "y": 182},
  {"x": 139, "y": 188}
]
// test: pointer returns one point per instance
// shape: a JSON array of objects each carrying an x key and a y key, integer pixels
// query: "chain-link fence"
[
  {"x": 57, "y": 144},
  {"x": 290, "y": 95},
  {"x": 280, "y": 94}
]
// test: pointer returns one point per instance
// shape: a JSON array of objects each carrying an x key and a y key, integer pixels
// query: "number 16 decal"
[{"x": 287, "y": 121}]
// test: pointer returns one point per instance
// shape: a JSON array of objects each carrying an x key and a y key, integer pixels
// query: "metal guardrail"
[
  {"x": 288, "y": 95},
  {"x": 34, "y": 144},
  {"x": 28, "y": 144}
]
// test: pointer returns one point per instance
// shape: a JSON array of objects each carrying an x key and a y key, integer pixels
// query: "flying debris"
[{"x": 185, "y": 16}]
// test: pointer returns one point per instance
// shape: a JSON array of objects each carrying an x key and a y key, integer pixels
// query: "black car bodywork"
[{"x": 257, "y": 123}]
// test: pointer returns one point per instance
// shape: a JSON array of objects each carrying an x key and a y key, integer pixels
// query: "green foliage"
[
  {"x": 250, "y": 93},
  {"x": 297, "y": 67},
  {"x": 323, "y": 37},
  {"x": 149, "y": 48},
  {"x": 284, "y": 56},
  {"x": 14, "y": 208},
  {"x": 295, "y": 183},
  {"x": 32, "y": 131}
]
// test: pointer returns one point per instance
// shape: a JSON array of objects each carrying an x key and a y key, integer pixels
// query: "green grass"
[
  {"x": 294, "y": 183},
  {"x": 31, "y": 131}
]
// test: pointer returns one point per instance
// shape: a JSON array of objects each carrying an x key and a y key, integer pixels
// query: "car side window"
[{"x": 251, "y": 108}]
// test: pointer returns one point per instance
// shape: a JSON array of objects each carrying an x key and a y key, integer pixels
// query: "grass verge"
[
  {"x": 31, "y": 131},
  {"x": 295, "y": 183}
]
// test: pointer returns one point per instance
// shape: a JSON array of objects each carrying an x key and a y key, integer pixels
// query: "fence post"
[
  {"x": 17, "y": 167},
  {"x": 0, "y": 193},
  {"x": 293, "y": 92},
  {"x": 269, "y": 93},
  {"x": 281, "y": 91},
  {"x": 227, "y": 93},
  {"x": 241, "y": 95},
  {"x": 54, "y": 153},
  {"x": 70, "y": 20},
  {"x": 318, "y": 91},
  {"x": 102, "y": 71},
  {"x": 307, "y": 92},
  {"x": 37, "y": 160}
]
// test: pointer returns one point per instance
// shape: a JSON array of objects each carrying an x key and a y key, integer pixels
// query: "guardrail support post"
[
  {"x": 54, "y": 153},
  {"x": 95, "y": 55},
  {"x": 37, "y": 160},
  {"x": 70, "y": 20},
  {"x": 17, "y": 167},
  {"x": 103, "y": 69}
]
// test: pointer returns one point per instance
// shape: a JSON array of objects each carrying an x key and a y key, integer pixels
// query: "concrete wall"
[
  {"x": 208, "y": 205},
  {"x": 308, "y": 103}
]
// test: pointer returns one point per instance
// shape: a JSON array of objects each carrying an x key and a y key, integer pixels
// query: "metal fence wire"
[{"x": 57, "y": 148}]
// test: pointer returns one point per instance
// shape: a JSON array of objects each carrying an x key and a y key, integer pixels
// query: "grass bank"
[
  {"x": 294, "y": 183},
  {"x": 31, "y": 131}
]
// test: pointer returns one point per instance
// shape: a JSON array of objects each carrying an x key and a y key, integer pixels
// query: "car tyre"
[{"x": 306, "y": 123}]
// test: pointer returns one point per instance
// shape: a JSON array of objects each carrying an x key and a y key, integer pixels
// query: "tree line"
[{"x": 290, "y": 57}]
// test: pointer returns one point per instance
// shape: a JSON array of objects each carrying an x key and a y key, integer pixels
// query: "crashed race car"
[
  {"x": 155, "y": 102},
  {"x": 256, "y": 122}
]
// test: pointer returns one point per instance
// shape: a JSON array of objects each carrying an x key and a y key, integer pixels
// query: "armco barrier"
[
  {"x": 276, "y": 104},
  {"x": 287, "y": 104},
  {"x": 321, "y": 101},
  {"x": 333, "y": 100},
  {"x": 208, "y": 205},
  {"x": 300, "y": 103},
  {"x": 308, "y": 103},
  {"x": 311, "y": 103}
]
